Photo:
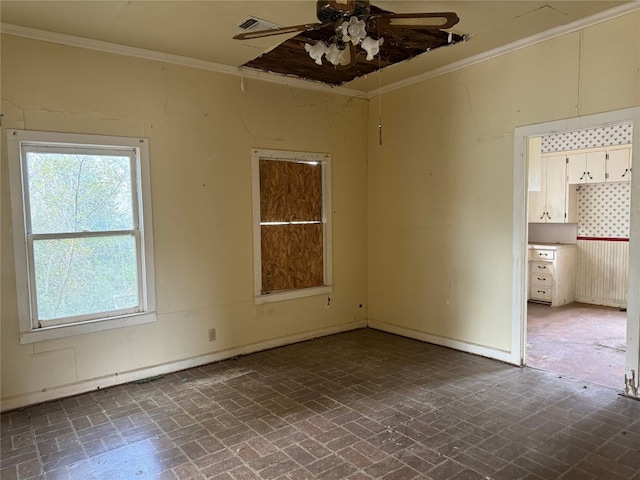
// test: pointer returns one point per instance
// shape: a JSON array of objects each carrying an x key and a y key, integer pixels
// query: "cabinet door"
[
  {"x": 619, "y": 165},
  {"x": 572, "y": 204},
  {"x": 537, "y": 204},
  {"x": 537, "y": 198},
  {"x": 535, "y": 160},
  {"x": 556, "y": 184},
  {"x": 577, "y": 168},
  {"x": 586, "y": 167},
  {"x": 596, "y": 167}
]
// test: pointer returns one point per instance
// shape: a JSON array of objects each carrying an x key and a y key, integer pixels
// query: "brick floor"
[{"x": 359, "y": 405}]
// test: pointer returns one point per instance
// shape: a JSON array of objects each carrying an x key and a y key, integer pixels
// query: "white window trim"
[
  {"x": 28, "y": 332},
  {"x": 306, "y": 157}
]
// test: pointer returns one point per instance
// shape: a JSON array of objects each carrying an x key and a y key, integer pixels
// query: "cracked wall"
[
  {"x": 431, "y": 246},
  {"x": 441, "y": 185},
  {"x": 201, "y": 127}
]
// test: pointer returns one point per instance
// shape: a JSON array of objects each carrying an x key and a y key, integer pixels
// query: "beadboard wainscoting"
[
  {"x": 602, "y": 270},
  {"x": 602, "y": 260}
]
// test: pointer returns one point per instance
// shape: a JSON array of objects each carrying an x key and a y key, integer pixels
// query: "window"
[
  {"x": 292, "y": 227},
  {"x": 82, "y": 233}
]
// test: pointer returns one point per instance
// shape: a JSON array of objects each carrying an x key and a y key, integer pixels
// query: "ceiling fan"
[{"x": 350, "y": 20}]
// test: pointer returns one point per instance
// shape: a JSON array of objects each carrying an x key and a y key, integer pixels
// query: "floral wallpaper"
[
  {"x": 593, "y": 137},
  {"x": 603, "y": 210}
]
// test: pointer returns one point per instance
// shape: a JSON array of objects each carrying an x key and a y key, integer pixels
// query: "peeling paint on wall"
[{"x": 631, "y": 385}]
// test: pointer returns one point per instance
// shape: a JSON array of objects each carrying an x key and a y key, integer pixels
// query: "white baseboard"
[
  {"x": 62, "y": 391},
  {"x": 493, "y": 353}
]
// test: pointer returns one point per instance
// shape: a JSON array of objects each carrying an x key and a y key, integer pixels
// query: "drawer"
[
  {"x": 542, "y": 254},
  {"x": 539, "y": 292},
  {"x": 541, "y": 279},
  {"x": 541, "y": 268}
]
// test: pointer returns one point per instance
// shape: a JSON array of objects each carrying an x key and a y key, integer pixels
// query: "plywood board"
[
  {"x": 292, "y": 257},
  {"x": 290, "y": 191}
]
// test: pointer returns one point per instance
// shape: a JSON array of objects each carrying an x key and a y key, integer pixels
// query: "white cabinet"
[
  {"x": 554, "y": 178},
  {"x": 586, "y": 167},
  {"x": 549, "y": 204},
  {"x": 552, "y": 274},
  {"x": 534, "y": 147},
  {"x": 599, "y": 165},
  {"x": 619, "y": 164}
]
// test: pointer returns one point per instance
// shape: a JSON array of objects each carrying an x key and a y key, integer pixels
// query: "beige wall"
[
  {"x": 434, "y": 253},
  {"x": 441, "y": 185},
  {"x": 201, "y": 128}
]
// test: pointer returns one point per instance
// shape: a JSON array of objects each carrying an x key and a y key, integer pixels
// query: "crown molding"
[
  {"x": 243, "y": 72},
  {"x": 108, "y": 47},
  {"x": 595, "y": 19}
]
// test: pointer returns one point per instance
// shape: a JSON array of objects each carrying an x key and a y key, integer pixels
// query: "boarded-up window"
[{"x": 291, "y": 224}]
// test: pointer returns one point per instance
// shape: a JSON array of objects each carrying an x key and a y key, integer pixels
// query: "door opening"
[
  {"x": 578, "y": 244},
  {"x": 608, "y": 334}
]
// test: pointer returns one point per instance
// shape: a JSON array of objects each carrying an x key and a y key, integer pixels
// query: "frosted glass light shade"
[
  {"x": 353, "y": 31},
  {"x": 316, "y": 51},
  {"x": 371, "y": 46}
]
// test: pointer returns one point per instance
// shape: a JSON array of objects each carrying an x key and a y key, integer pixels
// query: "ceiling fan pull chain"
[{"x": 379, "y": 90}]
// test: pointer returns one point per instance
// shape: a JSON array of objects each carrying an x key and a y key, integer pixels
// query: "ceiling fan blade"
[
  {"x": 436, "y": 21},
  {"x": 278, "y": 31}
]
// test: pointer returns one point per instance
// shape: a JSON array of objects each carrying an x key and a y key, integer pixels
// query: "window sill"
[
  {"x": 63, "y": 331},
  {"x": 291, "y": 294}
]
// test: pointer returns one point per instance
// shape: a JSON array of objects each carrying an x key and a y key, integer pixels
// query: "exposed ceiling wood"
[{"x": 400, "y": 44}]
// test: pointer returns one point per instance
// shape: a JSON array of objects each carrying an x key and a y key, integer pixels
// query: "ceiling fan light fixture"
[
  {"x": 353, "y": 31},
  {"x": 371, "y": 46},
  {"x": 343, "y": 26},
  {"x": 336, "y": 55},
  {"x": 317, "y": 51}
]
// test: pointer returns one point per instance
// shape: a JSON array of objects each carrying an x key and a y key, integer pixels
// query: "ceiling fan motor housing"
[{"x": 328, "y": 11}]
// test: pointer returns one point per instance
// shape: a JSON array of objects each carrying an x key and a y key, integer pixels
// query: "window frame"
[
  {"x": 19, "y": 143},
  {"x": 324, "y": 159}
]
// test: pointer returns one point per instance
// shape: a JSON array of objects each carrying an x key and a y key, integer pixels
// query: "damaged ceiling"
[
  {"x": 400, "y": 44},
  {"x": 204, "y": 30}
]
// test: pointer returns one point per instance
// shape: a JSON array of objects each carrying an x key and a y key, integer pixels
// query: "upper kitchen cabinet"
[
  {"x": 618, "y": 164},
  {"x": 551, "y": 203},
  {"x": 586, "y": 167}
]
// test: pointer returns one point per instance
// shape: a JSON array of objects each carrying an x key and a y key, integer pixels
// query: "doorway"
[
  {"x": 578, "y": 213},
  {"x": 628, "y": 382}
]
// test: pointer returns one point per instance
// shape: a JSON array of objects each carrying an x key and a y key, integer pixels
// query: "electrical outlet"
[{"x": 212, "y": 334}]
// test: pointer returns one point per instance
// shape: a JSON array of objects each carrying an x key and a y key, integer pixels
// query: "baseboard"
[
  {"x": 55, "y": 393},
  {"x": 602, "y": 302},
  {"x": 493, "y": 353}
]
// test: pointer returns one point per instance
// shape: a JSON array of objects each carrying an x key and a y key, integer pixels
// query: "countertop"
[{"x": 544, "y": 245}]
